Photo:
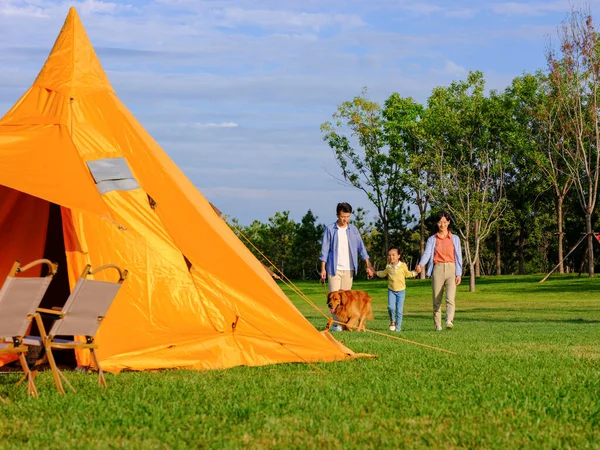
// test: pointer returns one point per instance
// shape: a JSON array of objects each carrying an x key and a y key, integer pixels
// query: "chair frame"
[
  {"x": 18, "y": 346},
  {"x": 89, "y": 344}
]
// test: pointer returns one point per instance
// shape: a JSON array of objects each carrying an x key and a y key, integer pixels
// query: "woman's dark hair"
[
  {"x": 441, "y": 214},
  {"x": 343, "y": 207}
]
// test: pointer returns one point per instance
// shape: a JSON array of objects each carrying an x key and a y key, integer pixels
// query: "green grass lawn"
[{"x": 526, "y": 374}]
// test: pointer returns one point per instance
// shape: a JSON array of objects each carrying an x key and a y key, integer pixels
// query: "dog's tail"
[{"x": 370, "y": 316}]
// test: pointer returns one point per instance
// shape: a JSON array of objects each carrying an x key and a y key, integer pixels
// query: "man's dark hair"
[
  {"x": 441, "y": 214},
  {"x": 343, "y": 207}
]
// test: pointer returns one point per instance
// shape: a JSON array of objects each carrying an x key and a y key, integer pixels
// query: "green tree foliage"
[
  {"x": 253, "y": 233},
  {"x": 357, "y": 136},
  {"x": 306, "y": 248},
  {"x": 277, "y": 240},
  {"x": 405, "y": 134},
  {"x": 464, "y": 126},
  {"x": 525, "y": 184},
  {"x": 574, "y": 74}
]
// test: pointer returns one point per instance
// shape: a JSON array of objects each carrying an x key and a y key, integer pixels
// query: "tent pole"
[{"x": 570, "y": 251}]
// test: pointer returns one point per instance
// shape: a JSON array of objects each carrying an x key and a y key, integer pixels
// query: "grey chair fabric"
[
  {"x": 19, "y": 297},
  {"x": 85, "y": 308}
]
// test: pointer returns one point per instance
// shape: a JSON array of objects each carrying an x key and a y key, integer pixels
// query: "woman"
[{"x": 443, "y": 257}]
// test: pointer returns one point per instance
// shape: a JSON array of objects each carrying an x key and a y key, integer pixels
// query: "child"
[{"x": 396, "y": 272}]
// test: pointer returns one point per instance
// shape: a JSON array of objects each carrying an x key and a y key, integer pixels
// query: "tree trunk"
[
  {"x": 386, "y": 236},
  {"x": 477, "y": 263},
  {"x": 561, "y": 234},
  {"x": 521, "y": 245},
  {"x": 590, "y": 243},
  {"x": 422, "y": 244},
  {"x": 471, "y": 276},
  {"x": 498, "y": 259}
]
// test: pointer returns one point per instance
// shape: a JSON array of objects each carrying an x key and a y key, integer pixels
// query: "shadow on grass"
[
  {"x": 563, "y": 282},
  {"x": 516, "y": 310},
  {"x": 578, "y": 320}
]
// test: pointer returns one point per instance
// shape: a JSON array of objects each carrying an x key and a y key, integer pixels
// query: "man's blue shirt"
[{"x": 329, "y": 247}]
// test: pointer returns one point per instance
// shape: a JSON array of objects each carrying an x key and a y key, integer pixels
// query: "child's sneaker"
[
  {"x": 392, "y": 326},
  {"x": 449, "y": 325}
]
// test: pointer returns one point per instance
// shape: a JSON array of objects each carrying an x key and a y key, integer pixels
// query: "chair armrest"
[
  {"x": 50, "y": 312},
  {"x": 122, "y": 273},
  {"x": 52, "y": 267}
]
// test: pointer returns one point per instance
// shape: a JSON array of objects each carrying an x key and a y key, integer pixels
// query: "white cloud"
[
  {"x": 46, "y": 9},
  {"x": 213, "y": 125},
  {"x": 282, "y": 19},
  {"x": 20, "y": 8},
  {"x": 464, "y": 13},
  {"x": 452, "y": 69},
  {"x": 530, "y": 8},
  {"x": 421, "y": 7},
  {"x": 88, "y": 7}
]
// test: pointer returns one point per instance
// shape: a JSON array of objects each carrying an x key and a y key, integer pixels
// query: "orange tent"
[{"x": 82, "y": 182}]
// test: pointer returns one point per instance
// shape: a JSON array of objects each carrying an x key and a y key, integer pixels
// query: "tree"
[
  {"x": 306, "y": 247},
  {"x": 371, "y": 237},
  {"x": 254, "y": 233},
  {"x": 277, "y": 239},
  {"x": 468, "y": 160},
  {"x": 404, "y": 133},
  {"x": 526, "y": 145},
  {"x": 357, "y": 138},
  {"x": 574, "y": 75},
  {"x": 548, "y": 138}
]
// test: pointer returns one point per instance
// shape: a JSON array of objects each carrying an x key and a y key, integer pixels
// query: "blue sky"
[{"x": 235, "y": 91}]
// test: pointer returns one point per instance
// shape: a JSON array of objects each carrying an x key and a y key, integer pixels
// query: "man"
[{"x": 339, "y": 253}]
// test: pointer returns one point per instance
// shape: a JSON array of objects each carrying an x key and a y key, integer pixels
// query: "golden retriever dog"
[{"x": 352, "y": 308}]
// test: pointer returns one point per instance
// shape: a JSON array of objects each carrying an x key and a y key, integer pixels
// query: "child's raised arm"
[
  {"x": 408, "y": 273},
  {"x": 382, "y": 273}
]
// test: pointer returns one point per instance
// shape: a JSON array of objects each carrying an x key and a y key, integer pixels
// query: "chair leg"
[
  {"x": 65, "y": 379},
  {"x": 23, "y": 378},
  {"x": 55, "y": 371},
  {"x": 31, "y": 389},
  {"x": 94, "y": 358}
]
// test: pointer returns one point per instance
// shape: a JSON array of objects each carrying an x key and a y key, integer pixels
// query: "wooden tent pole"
[{"x": 570, "y": 251}]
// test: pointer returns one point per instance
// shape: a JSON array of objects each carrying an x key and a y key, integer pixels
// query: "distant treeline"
[{"x": 525, "y": 247}]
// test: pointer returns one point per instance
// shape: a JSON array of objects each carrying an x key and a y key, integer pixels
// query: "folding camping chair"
[
  {"x": 81, "y": 315},
  {"x": 19, "y": 298}
]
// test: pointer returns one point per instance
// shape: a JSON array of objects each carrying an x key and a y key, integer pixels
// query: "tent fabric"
[
  {"x": 24, "y": 219},
  {"x": 41, "y": 160},
  {"x": 195, "y": 297}
]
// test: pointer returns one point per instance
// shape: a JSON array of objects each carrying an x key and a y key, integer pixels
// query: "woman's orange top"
[{"x": 444, "y": 249}]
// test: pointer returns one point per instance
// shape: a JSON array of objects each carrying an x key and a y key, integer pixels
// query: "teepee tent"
[{"x": 81, "y": 182}]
